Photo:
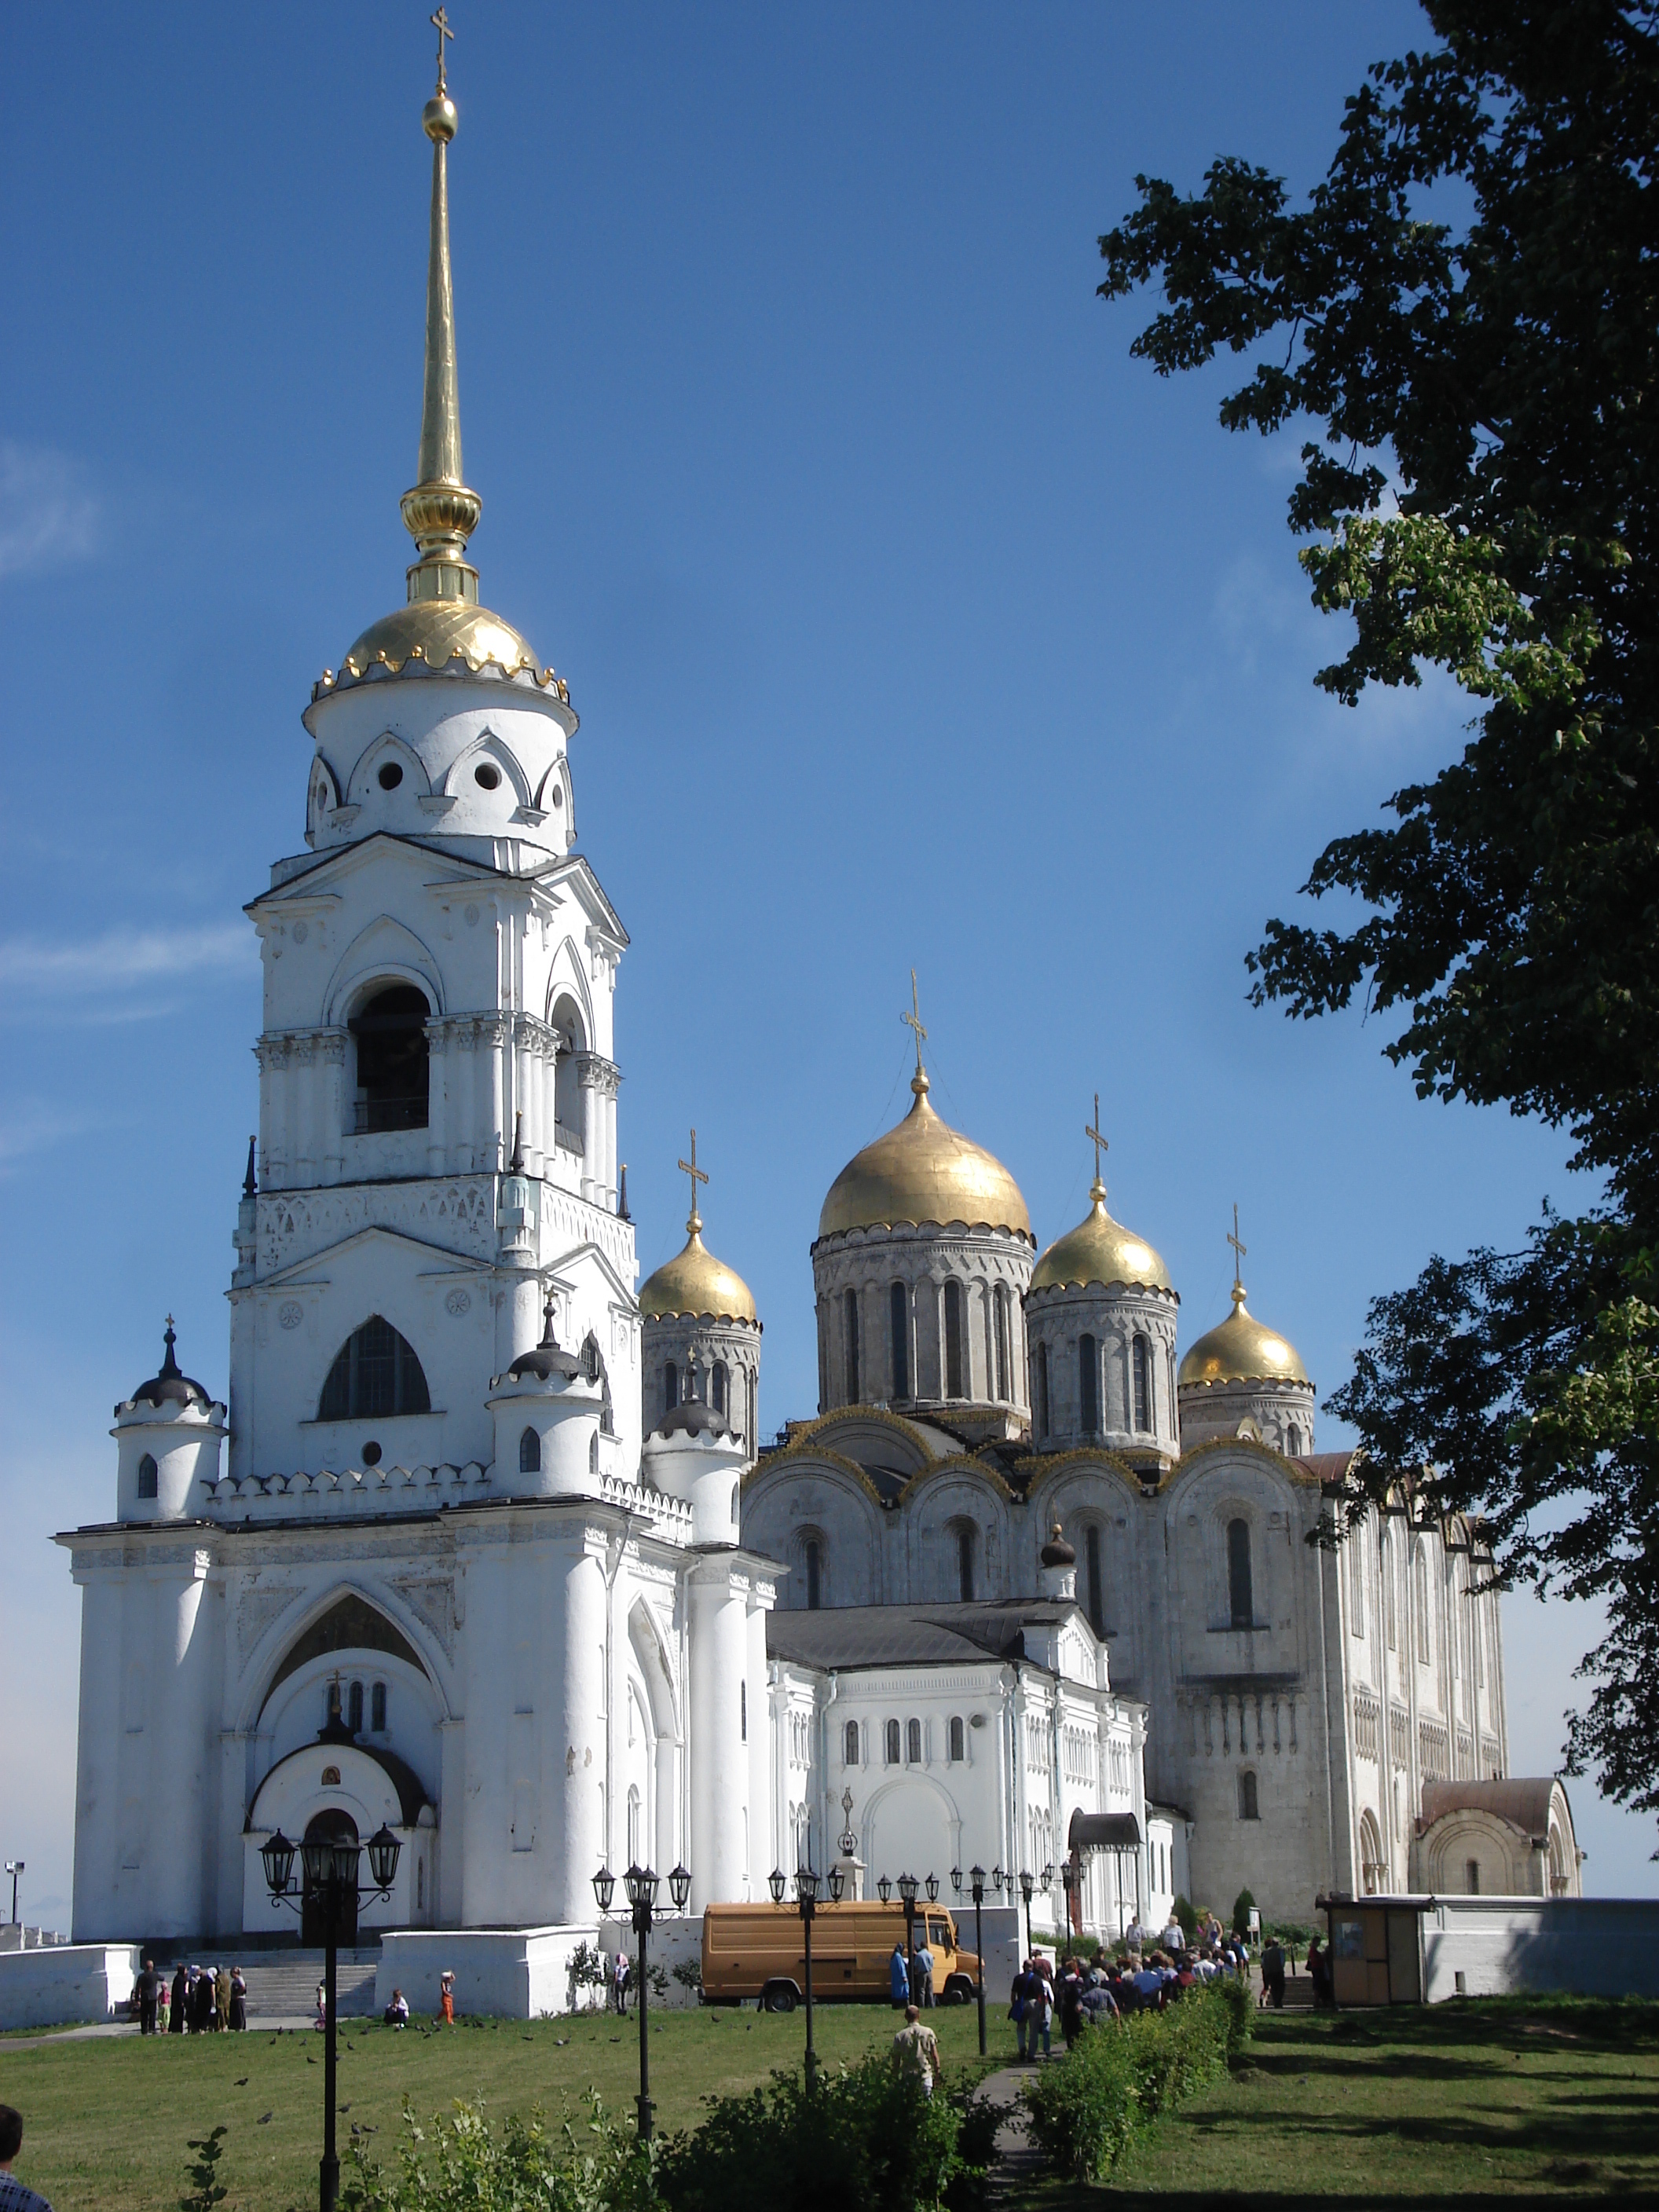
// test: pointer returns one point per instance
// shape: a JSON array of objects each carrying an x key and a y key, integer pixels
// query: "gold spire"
[
  {"x": 694, "y": 1219},
  {"x": 913, "y": 1020},
  {"x": 695, "y": 1282},
  {"x": 441, "y": 513}
]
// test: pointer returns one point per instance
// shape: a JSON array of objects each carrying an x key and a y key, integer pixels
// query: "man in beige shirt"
[{"x": 915, "y": 2051}]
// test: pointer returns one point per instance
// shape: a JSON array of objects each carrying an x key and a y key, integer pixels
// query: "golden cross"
[
  {"x": 1092, "y": 1130},
  {"x": 1239, "y": 1251},
  {"x": 440, "y": 24},
  {"x": 690, "y": 1168},
  {"x": 913, "y": 1019}
]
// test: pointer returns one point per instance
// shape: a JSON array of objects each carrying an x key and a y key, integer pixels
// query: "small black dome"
[
  {"x": 170, "y": 1387},
  {"x": 546, "y": 1358},
  {"x": 1057, "y": 1552},
  {"x": 691, "y": 1418}
]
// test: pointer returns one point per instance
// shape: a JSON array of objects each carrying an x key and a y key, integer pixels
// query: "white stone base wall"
[
  {"x": 1594, "y": 1947},
  {"x": 55, "y": 1982}
]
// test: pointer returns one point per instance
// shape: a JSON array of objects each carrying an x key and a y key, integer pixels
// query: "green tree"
[{"x": 1465, "y": 316}]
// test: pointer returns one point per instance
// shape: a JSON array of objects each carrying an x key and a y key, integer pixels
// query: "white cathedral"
[{"x": 484, "y": 1545}]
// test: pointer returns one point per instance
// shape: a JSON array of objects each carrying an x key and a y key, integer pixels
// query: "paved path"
[
  {"x": 289, "y": 2023},
  {"x": 1019, "y": 2163}
]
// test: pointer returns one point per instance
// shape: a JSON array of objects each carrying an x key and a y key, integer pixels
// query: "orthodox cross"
[
  {"x": 913, "y": 1019},
  {"x": 690, "y": 1168},
  {"x": 440, "y": 24},
  {"x": 1239, "y": 1251},
  {"x": 1092, "y": 1130}
]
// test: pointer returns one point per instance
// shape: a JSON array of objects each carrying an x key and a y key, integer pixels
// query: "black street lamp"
[
  {"x": 1026, "y": 1885},
  {"x": 329, "y": 1883},
  {"x": 640, "y": 1884},
  {"x": 14, "y": 1868},
  {"x": 908, "y": 1886},
  {"x": 806, "y": 1900},
  {"x": 884, "y": 1889},
  {"x": 977, "y": 1891}
]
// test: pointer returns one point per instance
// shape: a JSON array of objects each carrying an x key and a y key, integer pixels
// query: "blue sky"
[{"x": 910, "y": 623}]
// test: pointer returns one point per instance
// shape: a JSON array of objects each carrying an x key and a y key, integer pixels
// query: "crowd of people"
[
  {"x": 198, "y": 2001},
  {"x": 1146, "y": 1976}
]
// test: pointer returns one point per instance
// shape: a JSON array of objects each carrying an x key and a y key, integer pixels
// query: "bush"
[
  {"x": 866, "y": 2141},
  {"x": 462, "y": 2165},
  {"x": 1233, "y": 1990},
  {"x": 1087, "y": 2110},
  {"x": 1244, "y": 1905},
  {"x": 1186, "y": 1914}
]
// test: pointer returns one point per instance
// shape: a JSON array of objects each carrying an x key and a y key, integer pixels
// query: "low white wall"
[
  {"x": 54, "y": 1982},
  {"x": 1602, "y": 1947},
  {"x": 671, "y": 1942},
  {"x": 505, "y": 1973}
]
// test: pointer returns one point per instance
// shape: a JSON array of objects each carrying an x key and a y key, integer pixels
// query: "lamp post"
[
  {"x": 1071, "y": 1874},
  {"x": 908, "y": 1886},
  {"x": 977, "y": 1891},
  {"x": 14, "y": 1868},
  {"x": 640, "y": 1884},
  {"x": 1026, "y": 1885},
  {"x": 806, "y": 1901},
  {"x": 329, "y": 1879}
]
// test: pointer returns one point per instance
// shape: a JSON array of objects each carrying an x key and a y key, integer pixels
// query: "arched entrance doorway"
[{"x": 328, "y": 1827}]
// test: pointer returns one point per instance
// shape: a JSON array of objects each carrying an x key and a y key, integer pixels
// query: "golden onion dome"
[
  {"x": 1242, "y": 1350},
  {"x": 923, "y": 1172},
  {"x": 694, "y": 1283},
  {"x": 438, "y": 631},
  {"x": 1100, "y": 1250}
]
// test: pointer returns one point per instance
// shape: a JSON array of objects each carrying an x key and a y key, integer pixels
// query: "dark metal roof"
[
  {"x": 1104, "y": 1832},
  {"x": 852, "y": 1636},
  {"x": 169, "y": 1387}
]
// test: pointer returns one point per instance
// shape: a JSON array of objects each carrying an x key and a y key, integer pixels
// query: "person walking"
[
  {"x": 177, "y": 2023},
  {"x": 1040, "y": 2016},
  {"x": 148, "y": 1991},
  {"x": 1272, "y": 1975},
  {"x": 898, "y": 1977},
  {"x": 238, "y": 1999},
  {"x": 619, "y": 1982},
  {"x": 1017, "y": 2006},
  {"x": 222, "y": 1998},
  {"x": 924, "y": 1975},
  {"x": 14, "y": 2197},
  {"x": 916, "y": 2052},
  {"x": 446, "y": 1998}
]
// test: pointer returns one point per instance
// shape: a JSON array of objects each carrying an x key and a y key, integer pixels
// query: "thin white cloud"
[
  {"x": 49, "y": 516},
  {"x": 30, "y": 1125},
  {"x": 121, "y": 957}
]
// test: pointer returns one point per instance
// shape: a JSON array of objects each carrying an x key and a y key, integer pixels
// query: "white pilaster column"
[
  {"x": 447, "y": 1876},
  {"x": 497, "y": 1143},
  {"x": 332, "y": 1059},
  {"x": 575, "y": 1751},
  {"x": 99, "y": 1911},
  {"x": 719, "y": 1654},
  {"x": 463, "y": 1121},
  {"x": 181, "y": 1679},
  {"x": 590, "y": 1128},
  {"x": 437, "y": 1097}
]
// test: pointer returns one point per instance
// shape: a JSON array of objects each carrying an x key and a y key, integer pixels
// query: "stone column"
[
  {"x": 588, "y": 1076},
  {"x": 99, "y": 1908},
  {"x": 332, "y": 1059},
  {"x": 177, "y": 1796},
  {"x": 574, "y": 1753},
  {"x": 437, "y": 1088},
  {"x": 719, "y": 1653},
  {"x": 449, "y": 1866},
  {"x": 464, "y": 1118}
]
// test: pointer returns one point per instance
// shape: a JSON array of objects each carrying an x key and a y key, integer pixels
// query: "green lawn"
[
  {"x": 107, "y": 2121},
  {"x": 1551, "y": 2099}
]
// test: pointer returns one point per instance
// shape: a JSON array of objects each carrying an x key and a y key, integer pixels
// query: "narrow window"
[
  {"x": 1472, "y": 1877},
  {"x": 1293, "y": 1442},
  {"x": 530, "y": 1453},
  {"x": 718, "y": 1392},
  {"x": 375, "y": 1373},
  {"x": 743, "y": 1712},
  {"x": 1000, "y": 1302},
  {"x": 392, "y": 1064},
  {"x": 1088, "y": 1385},
  {"x": 850, "y": 1744},
  {"x": 953, "y": 1340},
  {"x": 912, "y": 1742},
  {"x": 814, "y": 1574},
  {"x": 965, "y": 1561},
  {"x": 377, "y": 1710},
  {"x": 1247, "y": 1804},
  {"x": 594, "y": 1453},
  {"x": 420, "y": 1885},
  {"x": 851, "y": 1310},
  {"x": 1040, "y": 1389},
  {"x": 1241, "y": 1597},
  {"x": 892, "y": 1735},
  {"x": 898, "y": 1308},
  {"x": 1096, "y": 1590},
  {"x": 737, "y": 1501},
  {"x": 752, "y": 1431},
  {"x": 1143, "y": 1382},
  {"x": 354, "y": 1709},
  {"x": 671, "y": 1387},
  {"x": 1421, "y": 1578},
  {"x": 958, "y": 1739},
  {"x": 147, "y": 1484}
]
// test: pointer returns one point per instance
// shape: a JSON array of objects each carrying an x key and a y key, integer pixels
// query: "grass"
[
  {"x": 1549, "y": 2098},
  {"x": 107, "y": 2120}
]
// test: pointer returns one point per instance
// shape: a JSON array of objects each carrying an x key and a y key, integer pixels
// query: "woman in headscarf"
[
  {"x": 238, "y": 1999},
  {"x": 176, "y": 2020}
]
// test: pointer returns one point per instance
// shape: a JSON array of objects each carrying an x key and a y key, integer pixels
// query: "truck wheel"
[
  {"x": 958, "y": 1990},
  {"x": 778, "y": 1997}
]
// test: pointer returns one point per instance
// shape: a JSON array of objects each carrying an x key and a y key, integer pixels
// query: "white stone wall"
[
  {"x": 1059, "y": 1321},
  {"x": 695, "y": 1343},
  {"x": 992, "y": 1268},
  {"x": 1278, "y": 1414}
]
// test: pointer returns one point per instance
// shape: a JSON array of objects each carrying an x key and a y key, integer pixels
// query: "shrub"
[
  {"x": 589, "y": 1969},
  {"x": 1233, "y": 1990},
  {"x": 864, "y": 2140},
  {"x": 688, "y": 1972},
  {"x": 1087, "y": 2109},
  {"x": 463, "y": 2165},
  {"x": 1244, "y": 1905},
  {"x": 1188, "y": 1917}
]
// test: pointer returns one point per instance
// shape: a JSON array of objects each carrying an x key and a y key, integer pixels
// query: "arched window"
[
  {"x": 958, "y": 1739},
  {"x": 1248, "y": 1809},
  {"x": 717, "y": 1383},
  {"x": 1241, "y": 1597},
  {"x": 1095, "y": 1578},
  {"x": 751, "y": 1431},
  {"x": 966, "y": 1536},
  {"x": 1141, "y": 1359},
  {"x": 891, "y": 1733},
  {"x": 953, "y": 1382},
  {"x": 814, "y": 1557},
  {"x": 377, "y": 1710},
  {"x": 850, "y": 1311},
  {"x": 850, "y": 1744},
  {"x": 566, "y": 1019},
  {"x": 1040, "y": 1387},
  {"x": 355, "y": 1708},
  {"x": 594, "y": 1453},
  {"x": 146, "y": 1477},
  {"x": 375, "y": 1372},
  {"x": 737, "y": 1502},
  {"x": 1292, "y": 1442},
  {"x": 912, "y": 1742},
  {"x": 671, "y": 1387},
  {"x": 393, "y": 1070},
  {"x": 633, "y": 1825},
  {"x": 1000, "y": 1302},
  {"x": 1088, "y": 1385},
  {"x": 898, "y": 1329},
  {"x": 530, "y": 1453},
  {"x": 743, "y": 1712},
  {"x": 1421, "y": 1593}
]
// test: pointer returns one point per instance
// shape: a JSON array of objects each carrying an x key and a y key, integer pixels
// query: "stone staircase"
[{"x": 282, "y": 1985}]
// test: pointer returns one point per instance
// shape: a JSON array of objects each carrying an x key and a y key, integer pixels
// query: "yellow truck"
[{"x": 756, "y": 1951}]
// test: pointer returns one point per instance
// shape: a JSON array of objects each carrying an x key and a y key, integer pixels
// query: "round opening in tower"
[
  {"x": 486, "y": 775},
  {"x": 390, "y": 776},
  {"x": 389, "y": 1032}
]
